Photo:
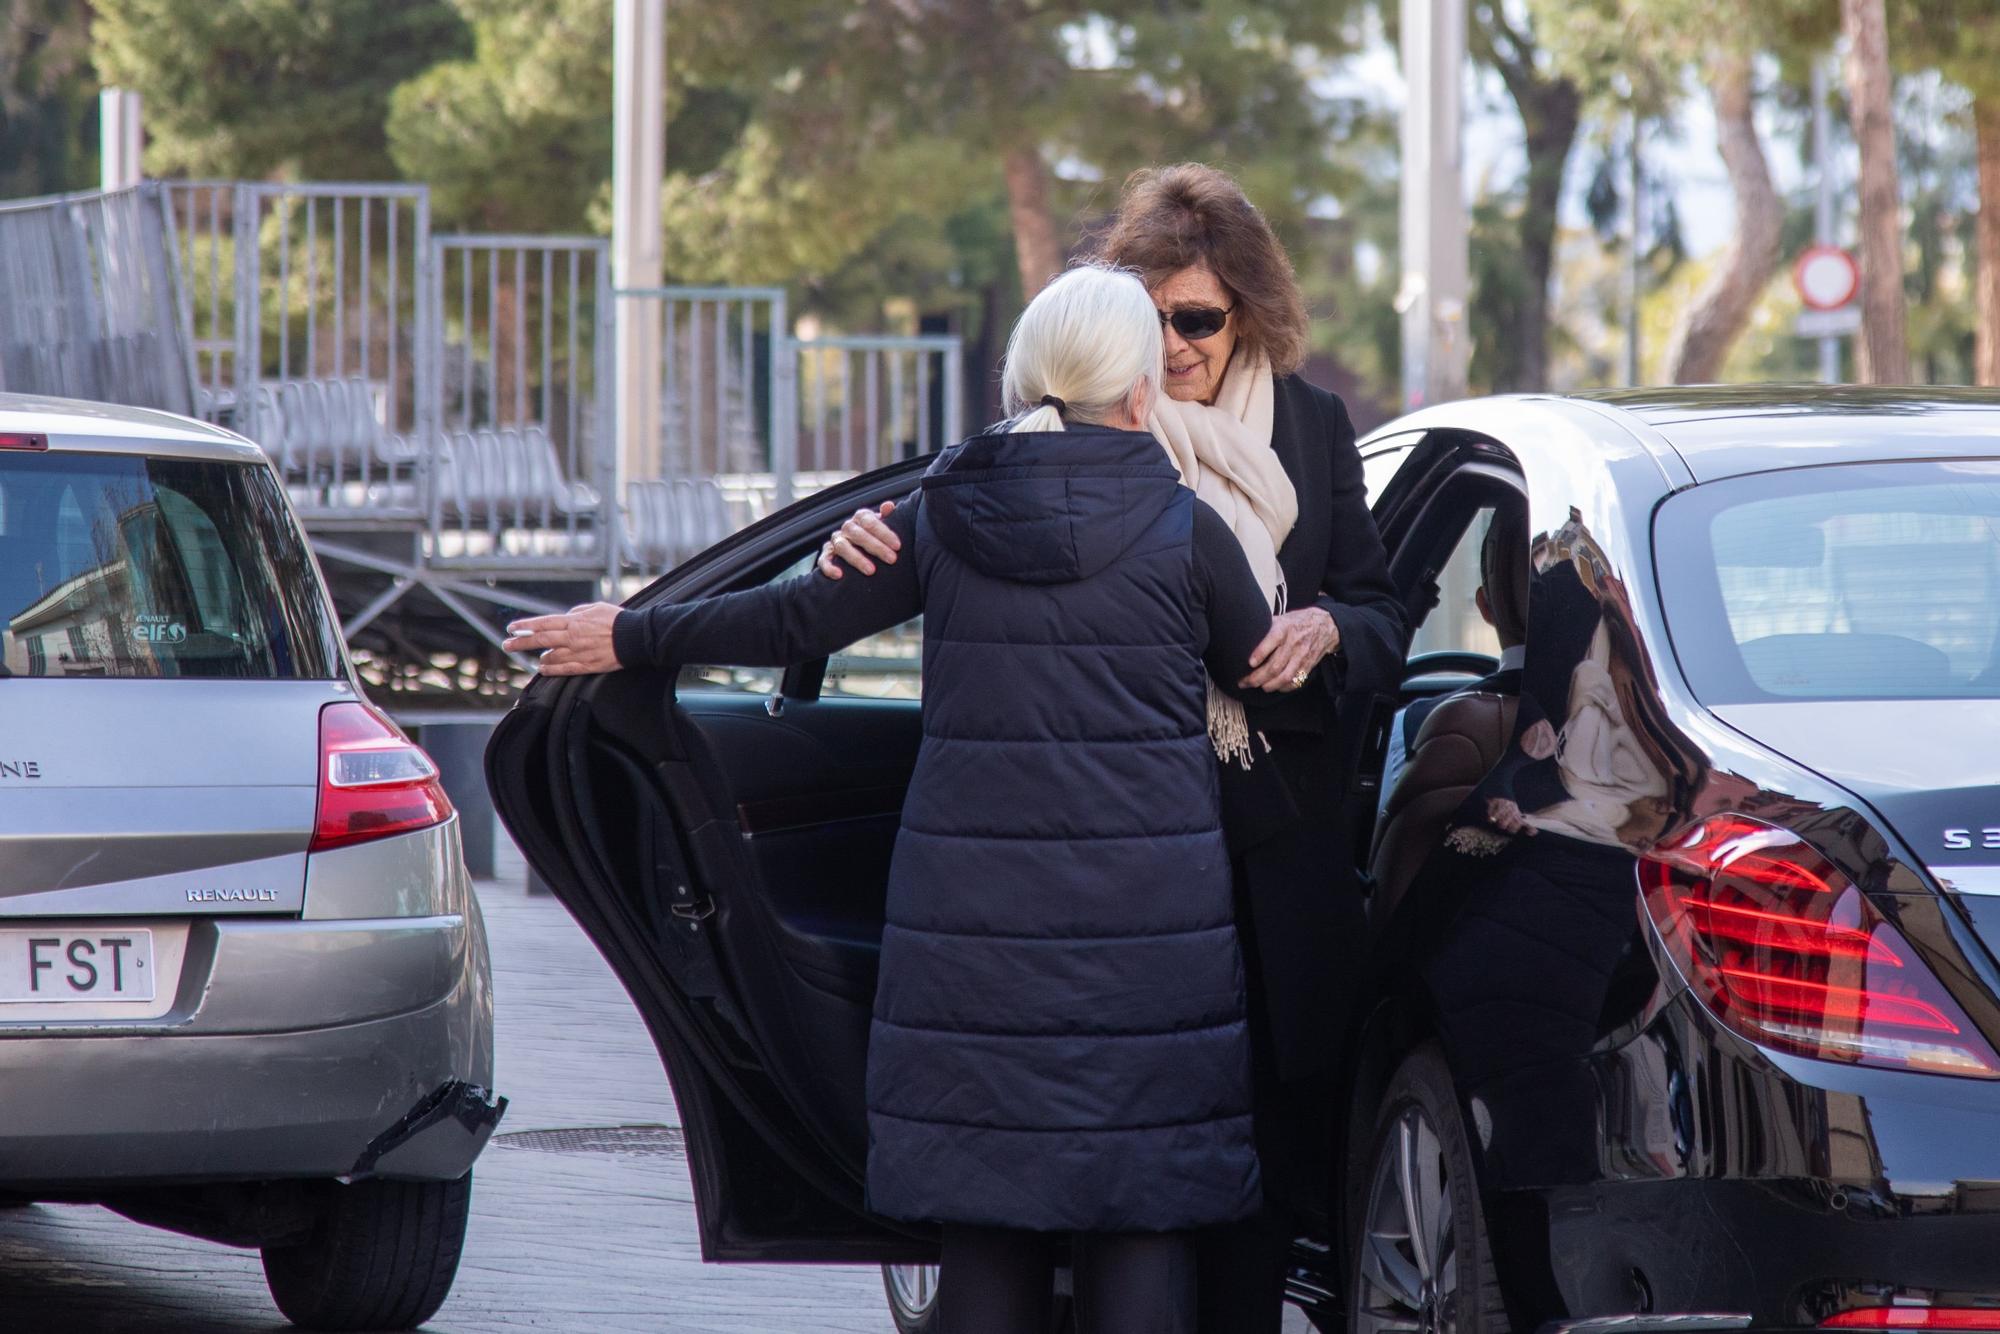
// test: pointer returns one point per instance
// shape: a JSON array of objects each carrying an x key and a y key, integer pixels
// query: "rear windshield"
[
  {"x": 115, "y": 565},
  {"x": 1870, "y": 581}
]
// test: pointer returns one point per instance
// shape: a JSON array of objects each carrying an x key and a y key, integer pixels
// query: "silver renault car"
[{"x": 244, "y": 990}]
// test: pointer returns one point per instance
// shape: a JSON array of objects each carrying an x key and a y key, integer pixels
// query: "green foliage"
[
  {"x": 517, "y": 135},
  {"x": 47, "y": 98},
  {"x": 251, "y": 87}
]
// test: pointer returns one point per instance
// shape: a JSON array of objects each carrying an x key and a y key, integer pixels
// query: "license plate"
[{"x": 72, "y": 965}]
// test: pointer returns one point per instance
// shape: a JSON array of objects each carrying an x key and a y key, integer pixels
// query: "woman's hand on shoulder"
[
  {"x": 865, "y": 535},
  {"x": 1298, "y": 641}
]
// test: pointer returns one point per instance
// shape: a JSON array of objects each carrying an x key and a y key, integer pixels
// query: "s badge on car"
[{"x": 1989, "y": 837}]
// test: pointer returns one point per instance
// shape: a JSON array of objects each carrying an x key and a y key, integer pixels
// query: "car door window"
[
  {"x": 1455, "y": 624},
  {"x": 888, "y": 665},
  {"x": 1378, "y": 466}
]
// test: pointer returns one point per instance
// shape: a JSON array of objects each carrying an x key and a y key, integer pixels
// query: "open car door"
[{"x": 724, "y": 838}]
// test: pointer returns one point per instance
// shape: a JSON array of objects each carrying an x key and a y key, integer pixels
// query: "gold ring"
[{"x": 1300, "y": 679}]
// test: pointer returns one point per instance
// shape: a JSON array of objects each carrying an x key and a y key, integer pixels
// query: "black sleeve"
[
  {"x": 795, "y": 620},
  {"x": 1228, "y": 598},
  {"x": 1357, "y": 591}
]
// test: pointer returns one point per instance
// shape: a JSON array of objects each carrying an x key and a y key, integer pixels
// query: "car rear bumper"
[
  {"x": 1787, "y": 1253},
  {"x": 297, "y": 1049},
  {"x": 316, "y": 1103}
]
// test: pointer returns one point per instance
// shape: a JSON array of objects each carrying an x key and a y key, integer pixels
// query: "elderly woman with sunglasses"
[{"x": 1276, "y": 457}]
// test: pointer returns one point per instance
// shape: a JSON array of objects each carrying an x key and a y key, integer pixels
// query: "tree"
[
  {"x": 250, "y": 87},
  {"x": 1656, "y": 48},
  {"x": 1882, "y": 348},
  {"x": 514, "y": 133},
  {"x": 47, "y": 91},
  {"x": 1708, "y": 327},
  {"x": 1511, "y": 303},
  {"x": 1963, "y": 42}
]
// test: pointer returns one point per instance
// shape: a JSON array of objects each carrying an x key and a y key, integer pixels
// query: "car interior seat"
[{"x": 1458, "y": 745}]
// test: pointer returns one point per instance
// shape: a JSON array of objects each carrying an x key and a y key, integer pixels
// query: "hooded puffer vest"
[{"x": 1059, "y": 1040}]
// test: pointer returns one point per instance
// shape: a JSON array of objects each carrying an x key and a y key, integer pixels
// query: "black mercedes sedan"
[{"x": 1682, "y": 1011}]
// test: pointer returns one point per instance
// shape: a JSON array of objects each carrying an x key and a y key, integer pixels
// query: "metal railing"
[
  {"x": 332, "y": 372},
  {"x": 204, "y": 216},
  {"x": 524, "y": 468},
  {"x": 459, "y": 388},
  {"x": 865, "y": 402},
  {"x": 89, "y": 302}
]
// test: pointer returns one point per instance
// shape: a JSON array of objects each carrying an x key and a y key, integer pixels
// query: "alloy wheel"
[
  {"x": 1409, "y": 1259},
  {"x": 913, "y": 1288}
]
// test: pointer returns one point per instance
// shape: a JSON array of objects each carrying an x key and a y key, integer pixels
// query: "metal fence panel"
[
  {"x": 866, "y": 402},
  {"x": 328, "y": 317},
  {"x": 204, "y": 221},
  {"x": 526, "y": 468},
  {"x": 88, "y": 302}
]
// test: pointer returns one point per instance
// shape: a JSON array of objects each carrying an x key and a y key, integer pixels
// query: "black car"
[{"x": 1683, "y": 1008}]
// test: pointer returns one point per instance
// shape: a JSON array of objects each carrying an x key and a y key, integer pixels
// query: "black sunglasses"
[{"x": 1197, "y": 322}]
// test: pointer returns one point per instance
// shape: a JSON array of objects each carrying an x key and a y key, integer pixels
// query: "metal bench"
[
  {"x": 668, "y": 521},
  {"x": 511, "y": 477}
]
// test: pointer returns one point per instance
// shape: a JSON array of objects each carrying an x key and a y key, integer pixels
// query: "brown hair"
[{"x": 1189, "y": 215}]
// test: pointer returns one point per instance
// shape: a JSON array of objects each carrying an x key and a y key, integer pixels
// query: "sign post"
[{"x": 1827, "y": 279}]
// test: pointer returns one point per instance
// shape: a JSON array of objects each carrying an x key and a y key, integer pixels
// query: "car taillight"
[
  {"x": 373, "y": 780},
  {"x": 23, "y": 440},
  {"x": 1915, "y": 1317},
  {"x": 1789, "y": 953}
]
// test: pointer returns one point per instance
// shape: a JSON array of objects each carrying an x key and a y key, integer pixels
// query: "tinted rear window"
[
  {"x": 1872, "y": 581},
  {"x": 113, "y": 565}
]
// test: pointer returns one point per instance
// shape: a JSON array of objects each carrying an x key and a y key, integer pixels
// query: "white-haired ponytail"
[{"x": 1088, "y": 339}]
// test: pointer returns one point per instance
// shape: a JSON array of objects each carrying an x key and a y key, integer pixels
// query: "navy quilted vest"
[{"x": 1059, "y": 1038}]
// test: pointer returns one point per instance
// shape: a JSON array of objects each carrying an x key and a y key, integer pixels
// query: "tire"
[
  {"x": 913, "y": 1304},
  {"x": 381, "y": 1256},
  {"x": 1419, "y": 1151},
  {"x": 912, "y": 1291}
]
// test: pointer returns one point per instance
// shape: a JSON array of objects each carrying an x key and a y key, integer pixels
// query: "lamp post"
[
  {"x": 1434, "y": 225},
  {"x": 638, "y": 163}
]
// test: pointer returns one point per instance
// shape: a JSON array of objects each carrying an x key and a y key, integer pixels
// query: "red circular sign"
[{"x": 1826, "y": 276}]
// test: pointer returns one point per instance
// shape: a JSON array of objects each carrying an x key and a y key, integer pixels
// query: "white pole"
[
  {"x": 638, "y": 164},
  {"x": 1634, "y": 278},
  {"x": 119, "y": 138},
  {"x": 1822, "y": 129},
  {"x": 1435, "y": 229}
]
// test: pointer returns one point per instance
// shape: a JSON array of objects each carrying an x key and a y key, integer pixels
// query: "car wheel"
[
  {"x": 381, "y": 1255},
  {"x": 912, "y": 1293},
  {"x": 1422, "y": 1262}
]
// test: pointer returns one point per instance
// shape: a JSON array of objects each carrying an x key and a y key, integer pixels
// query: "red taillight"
[
  {"x": 22, "y": 440},
  {"x": 1915, "y": 1317},
  {"x": 373, "y": 781},
  {"x": 1791, "y": 954}
]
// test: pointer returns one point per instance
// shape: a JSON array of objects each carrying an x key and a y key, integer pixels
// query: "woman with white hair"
[{"x": 1059, "y": 1046}]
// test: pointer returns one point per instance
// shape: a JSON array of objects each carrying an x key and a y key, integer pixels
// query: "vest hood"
[{"x": 1048, "y": 507}]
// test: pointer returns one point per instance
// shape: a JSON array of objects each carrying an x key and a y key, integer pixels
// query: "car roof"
[
  {"x": 1729, "y": 430},
  {"x": 74, "y": 424}
]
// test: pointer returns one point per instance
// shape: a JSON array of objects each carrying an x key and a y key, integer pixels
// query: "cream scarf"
[{"x": 1224, "y": 455}]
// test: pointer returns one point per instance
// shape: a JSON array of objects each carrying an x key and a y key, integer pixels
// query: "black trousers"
[
  {"x": 1001, "y": 1281},
  {"x": 1242, "y": 1267}
]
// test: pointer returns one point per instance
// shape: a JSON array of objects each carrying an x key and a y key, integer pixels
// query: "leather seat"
[{"x": 1458, "y": 745}]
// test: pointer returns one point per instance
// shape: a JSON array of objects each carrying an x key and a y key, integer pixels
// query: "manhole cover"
[{"x": 632, "y": 1141}]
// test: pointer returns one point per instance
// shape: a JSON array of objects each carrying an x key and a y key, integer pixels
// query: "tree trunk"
[
  {"x": 1986, "y": 342},
  {"x": 1038, "y": 248},
  {"x": 1549, "y": 114},
  {"x": 1883, "y": 347},
  {"x": 1701, "y": 341}
]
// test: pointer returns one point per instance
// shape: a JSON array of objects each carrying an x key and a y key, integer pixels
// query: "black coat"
[
  {"x": 1298, "y": 894},
  {"x": 1059, "y": 1039}
]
